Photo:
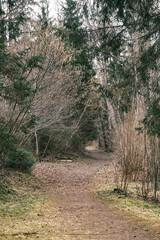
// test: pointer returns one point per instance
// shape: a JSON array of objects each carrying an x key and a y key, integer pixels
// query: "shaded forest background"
[{"x": 91, "y": 75}]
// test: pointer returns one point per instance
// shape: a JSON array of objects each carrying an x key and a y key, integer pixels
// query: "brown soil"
[{"x": 76, "y": 214}]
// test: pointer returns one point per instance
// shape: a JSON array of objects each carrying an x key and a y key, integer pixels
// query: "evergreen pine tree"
[
  {"x": 127, "y": 37},
  {"x": 74, "y": 34},
  {"x": 76, "y": 37},
  {"x": 16, "y": 90}
]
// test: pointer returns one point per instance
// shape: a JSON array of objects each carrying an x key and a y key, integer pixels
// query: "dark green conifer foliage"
[
  {"x": 44, "y": 20},
  {"x": 76, "y": 37},
  {"x": 16, "y": 89},
  {"x": 121, "y": 24}
]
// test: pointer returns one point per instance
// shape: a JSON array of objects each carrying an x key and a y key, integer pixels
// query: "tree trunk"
[{"x": 37, "y": 146}]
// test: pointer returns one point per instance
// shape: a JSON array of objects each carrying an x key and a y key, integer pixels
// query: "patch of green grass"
[
  {"x": 146, "y": 213},
  {"x": 127, "y": 202},
  {"x": 26, "y": 212},
  {"x": 140, "y": 210},
  {"x": 18, "y": 193},
  {"x": 17, "y": 205}
]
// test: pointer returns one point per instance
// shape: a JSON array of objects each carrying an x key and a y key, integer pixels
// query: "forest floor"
[{"x": 71, "y": 207}]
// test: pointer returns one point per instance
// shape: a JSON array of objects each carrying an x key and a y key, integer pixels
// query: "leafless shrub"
[
  {"x": 54, "y": 83},
  {"x": 138, "y": 155}
]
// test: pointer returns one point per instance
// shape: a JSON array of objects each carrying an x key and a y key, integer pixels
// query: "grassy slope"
[
  {"x": 18, "y": 193},
  {"x": 19, "y": 196}
]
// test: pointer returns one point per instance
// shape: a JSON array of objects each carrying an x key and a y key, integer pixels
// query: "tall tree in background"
[
  {"x": 127, "y": 36},
  {"x": 43, "y": 17},
  {"x": 75, "y": 36},
  {"x": 124, "y": 39}
]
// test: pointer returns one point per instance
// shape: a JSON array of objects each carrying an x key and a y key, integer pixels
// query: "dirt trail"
[{"x": 77, "y": 215}]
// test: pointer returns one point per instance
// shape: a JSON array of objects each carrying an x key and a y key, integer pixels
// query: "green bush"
[
  {"x": 7, "y": 139},
  {"x": 20, "y": 159}
]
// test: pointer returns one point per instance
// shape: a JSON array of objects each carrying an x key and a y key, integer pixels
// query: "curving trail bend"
[{"x": 76, "y": 214}]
